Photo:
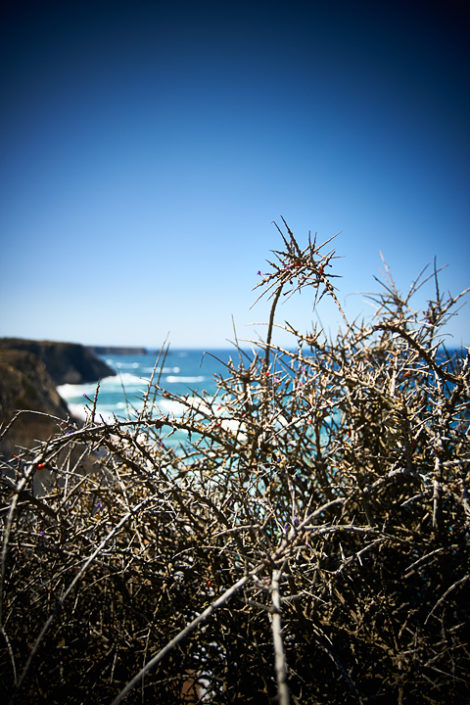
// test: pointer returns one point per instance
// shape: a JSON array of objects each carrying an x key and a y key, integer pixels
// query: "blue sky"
[{"x": 147, "y": 147}]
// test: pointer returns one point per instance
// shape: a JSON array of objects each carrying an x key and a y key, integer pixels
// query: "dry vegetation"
[{"x": 310, "y": 544}]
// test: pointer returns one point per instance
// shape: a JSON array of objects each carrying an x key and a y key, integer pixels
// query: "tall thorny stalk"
[{"x": 309, "y": 542}]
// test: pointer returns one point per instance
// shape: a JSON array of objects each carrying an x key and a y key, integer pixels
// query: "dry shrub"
[{"x": 310, "y": 541}]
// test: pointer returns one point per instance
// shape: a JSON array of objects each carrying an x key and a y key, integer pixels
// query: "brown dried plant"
[{"x": 309, "y": 542}]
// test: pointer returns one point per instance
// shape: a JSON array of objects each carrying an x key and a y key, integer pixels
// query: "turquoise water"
[
  {"x": 186, "y": 372},
  {"x": 183, "y": 372}
]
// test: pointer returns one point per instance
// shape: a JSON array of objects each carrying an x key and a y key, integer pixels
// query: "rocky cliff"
[
  {"x": 29, "y": 373},
  {"x": 66, "y": 363}
]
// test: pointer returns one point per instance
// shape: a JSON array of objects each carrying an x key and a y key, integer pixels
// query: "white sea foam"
[
  {"x": 105, "y": 416},
  {"x": 197, "y": 403},
  {"x": 79, "y": 411},
  {"x": 129, "y": 381},
  {"x": 235, "y": 427},
  {"x": 68, "y": 391},
  {"x": 176, "y": 408},
  {"x": 171, "y": 407},
  {"x": 173, "y": 379},
  {"x": 123, "y": 394},
  {"x": 162, "y": 370}
]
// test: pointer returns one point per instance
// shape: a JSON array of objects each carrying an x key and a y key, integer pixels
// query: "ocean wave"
[
  {"x": 162, "y": 370},
  {"x": 106, "y": 382},
  {"x": 125, "y": 379},
  {"x": 127, "y": 365},
  {"x": 79, "y": 411},
  {"x": 132, "y": 384},
  {"x": 176, "y": 408},
  {"x": 235, "y": 427},
  {"x": 173, "y": 408},
  {"x": 174, "y": 379}
]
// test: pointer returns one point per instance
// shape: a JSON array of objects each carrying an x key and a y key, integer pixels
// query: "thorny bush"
[{"x": 308, "y": 543}]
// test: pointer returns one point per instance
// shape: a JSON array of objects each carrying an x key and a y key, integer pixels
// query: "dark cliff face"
[
  {"x": 29, "y": 373},
  {"x": 66, "y": 363},
  {"x": 25, "y": 384}
]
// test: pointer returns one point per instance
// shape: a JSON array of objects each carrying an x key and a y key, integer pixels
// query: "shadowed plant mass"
[{"x": 307, "y": 543}]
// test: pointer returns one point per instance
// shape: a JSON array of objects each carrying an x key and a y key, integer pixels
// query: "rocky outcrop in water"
[{"x": 116, "y": 350}]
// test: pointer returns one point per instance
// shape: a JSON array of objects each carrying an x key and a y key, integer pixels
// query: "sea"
[
  {"x": 185, "y": 372},
  {"x": 182, "y": 372}
]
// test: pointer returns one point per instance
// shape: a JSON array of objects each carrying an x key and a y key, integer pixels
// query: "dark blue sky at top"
[{"x": 146, "y": 148}]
